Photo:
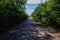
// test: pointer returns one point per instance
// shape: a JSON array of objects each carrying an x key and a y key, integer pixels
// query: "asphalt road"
[{"x": 28, "y": 30}]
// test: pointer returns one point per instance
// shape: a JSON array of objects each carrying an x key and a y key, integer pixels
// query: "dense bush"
[
  {"x": 12, "y": 12},
  {"x": 48, "y": 13}
]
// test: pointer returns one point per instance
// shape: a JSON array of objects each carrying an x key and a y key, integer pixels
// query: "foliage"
[
  {"x": 12, "y": 12},
  {"x": 48, "y": 13}
]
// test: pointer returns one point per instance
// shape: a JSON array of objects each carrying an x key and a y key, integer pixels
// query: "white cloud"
[
  {"x": 34, "y": 1},
  {"x": 29, "y": 11}
]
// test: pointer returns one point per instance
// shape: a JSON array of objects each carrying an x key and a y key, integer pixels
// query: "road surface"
[{"x": 28, "y": 30}]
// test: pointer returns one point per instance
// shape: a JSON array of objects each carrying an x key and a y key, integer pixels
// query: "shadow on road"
[{"x": 28, "y": 30}]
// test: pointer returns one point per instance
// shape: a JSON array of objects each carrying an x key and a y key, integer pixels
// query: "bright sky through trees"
[
  {"x": 34, "y": 1},
  {"x": 31, "y": 5}
]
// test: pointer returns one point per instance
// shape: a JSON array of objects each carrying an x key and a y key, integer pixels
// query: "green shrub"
[
  {"x": 12, "y": 12},
  {"x": 48, "y": 13}
]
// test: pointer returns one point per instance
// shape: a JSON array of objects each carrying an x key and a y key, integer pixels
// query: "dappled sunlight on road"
[{"x": 28, "y": 30}]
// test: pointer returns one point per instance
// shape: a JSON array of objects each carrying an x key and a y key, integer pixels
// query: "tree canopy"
[
  {"x": 48, "y": 13},
  {"x": 12, "y": 12}
]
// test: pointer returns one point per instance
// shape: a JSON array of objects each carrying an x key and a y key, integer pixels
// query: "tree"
[
  {"x": 12, "y": 12},
  {"x": 48, "y": 13}
]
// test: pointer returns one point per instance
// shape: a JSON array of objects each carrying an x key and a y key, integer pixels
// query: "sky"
[
  {"x": 30, "y": 8},
  {"x": 31, "y": 5}
]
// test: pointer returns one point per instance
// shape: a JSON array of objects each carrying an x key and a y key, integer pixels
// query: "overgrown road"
[{"x": 28, "y": 30}]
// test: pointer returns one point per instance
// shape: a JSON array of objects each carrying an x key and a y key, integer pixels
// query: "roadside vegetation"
[
  {"x": 12, "y": 12},
  {"x": 48, "y": 13}
]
